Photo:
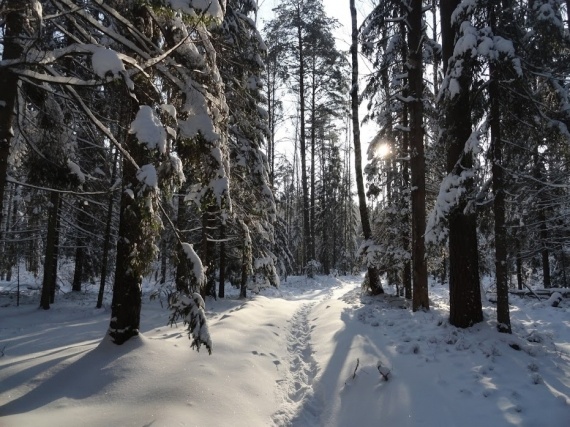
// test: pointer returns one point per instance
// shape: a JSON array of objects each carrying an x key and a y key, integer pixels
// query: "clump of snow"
[
  {"x": 213, "y": 8},
  {"x": 76, "y": 170},
  {"x": 106, "y": 61},
  {"x": 147, "y": 175},
  {"x": 451, "y": 191},
  {"x": 197, "y": 267},
  {"x": 148, "y": 129},
  {"x": 199, "y": 120}
]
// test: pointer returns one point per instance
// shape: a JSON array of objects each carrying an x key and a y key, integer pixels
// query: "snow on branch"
[
  {"x": 149, "y": 130},
  {"x": 191, "y": 310},
  {"x": 211, "y": 8},
  {"x": 451, "y": 191},
  {"x": 194, "y": 260}
]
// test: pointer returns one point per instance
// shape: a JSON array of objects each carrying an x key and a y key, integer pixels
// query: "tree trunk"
[
  {"x": 222, "y": 284},
  {"x": 107, "y": 239},
  {"x": 12, "y": 43},
  {"x": 302, "y": 140},
  {"x": 244, "y": 270},
  {"x": 544, "y": 252},
  {"x": 49, "y": 260},
  {"x": 520, "y": 283},
  {"x": 138, "y": 224},
  {"x": 53, "y": 284},
  {"x": 7, "y": 247},
  {"x": 207, "y": 253},
  {"x": 420, "y": 298},
  {"x": 181, "y": 278},
  {"x": 404, "y": 155},
  {"x": 503, "y": 314},
  {"x": 464, "y": 288},
  {"x": 313, "y": 158},
  {"x": 79, "y": 250},
  {"x": 127, "y": 293},
  {"x": 373, "y": 277},
  {"x": 163, "y": 260}
]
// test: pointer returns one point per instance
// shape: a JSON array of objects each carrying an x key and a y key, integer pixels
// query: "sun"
[{"x": 382, "y": 150}]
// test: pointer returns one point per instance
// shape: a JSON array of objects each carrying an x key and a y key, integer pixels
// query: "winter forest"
[{"x": 361, "y": 223}]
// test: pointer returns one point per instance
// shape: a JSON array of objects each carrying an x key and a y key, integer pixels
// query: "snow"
[
  {"x": 76, "y": 170},
  {"x": 197, "y": 267},
  {"x": 199, "y": 120},
  {"x": 147, "y": 175},
  {"x": 106, "y": 61},
  {"x": 148, "y": 129},
  {"x": 285, "y": 357},
  {"x": 213, "y": 8}
]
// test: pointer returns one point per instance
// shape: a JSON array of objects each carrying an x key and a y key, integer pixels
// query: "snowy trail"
[
  {"x": 302, "y": 405},
  {"x": 296, "y": 386},
  {"x": 303, "y": 355}
]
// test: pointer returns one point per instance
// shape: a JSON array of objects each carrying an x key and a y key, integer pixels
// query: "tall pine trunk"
[
  {"x": 420, "y": 298},
  {"x": 222, "y": 283},
  {"x": 50, "y": 260},
  {"x": 464, "y": 288},
  {"x": 313, "y": 157},
  {"x": 138, "y": 227},
  {"x": 543, "y": 228},
  {"x": 107, "y": 237},
  {"x": 80, "y": 249},
  {"x": 182, "y": 276},
  {"x": 373, "y": 277},
  {"x": 13, "y": 38},
  {"x": 503, "y": 315},
  {"x": 302, "y": 141}
]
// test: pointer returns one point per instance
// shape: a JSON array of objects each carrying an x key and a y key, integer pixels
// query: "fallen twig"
[
  {"x": 357, "y": 363},
  {"x": 384, "y": 371}
]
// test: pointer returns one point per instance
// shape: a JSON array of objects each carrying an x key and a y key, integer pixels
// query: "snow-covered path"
[{"x": 287, "y": 357}]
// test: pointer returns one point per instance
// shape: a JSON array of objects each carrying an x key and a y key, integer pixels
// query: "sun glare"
[{"x": 383, "y": 150}]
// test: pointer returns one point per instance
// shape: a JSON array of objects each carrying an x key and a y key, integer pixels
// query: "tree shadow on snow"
[{"x": 80, "y": 379}]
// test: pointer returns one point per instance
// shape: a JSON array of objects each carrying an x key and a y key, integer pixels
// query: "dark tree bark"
[
  {"x": 244, "y": 271},
  {"x": 373, "y": 277},
  {"x": 407, "y": 270},
  {"x": 79, "y": 250},
  {"x": 221, "y": 286},
  {"x": 302, "y": 138},
  {"x": 137, "y": 226},
  {"x": 48, "y": 285},
  {"x": 520, "y": 282},
  {"x": 127, "y": 293},
  {"x": 420, "y": 298},
  {"x": 503, "y": 314},
  {"x": 53, "y": 279},
  {"x": 207, "y": 252},
  {"x": 464, "y": 288},
  {"x": 544, "y": 235},
  {"x": 182, "y": 278},
  {"x": 498, "y": 184},
  {"x": 313, "y": 158},
  {"x": 163, "y": 261},
  {"x": 107, "y": 238},
  {"x": 12, "y": 43}
]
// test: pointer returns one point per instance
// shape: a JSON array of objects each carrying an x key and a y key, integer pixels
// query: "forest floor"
[{"x": 306, "y": 354}]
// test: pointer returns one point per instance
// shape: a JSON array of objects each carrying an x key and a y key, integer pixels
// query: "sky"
[{"x": 340, "y": 10}]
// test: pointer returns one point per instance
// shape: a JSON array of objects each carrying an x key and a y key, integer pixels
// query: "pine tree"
[{"x": 374, "y": 283}]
